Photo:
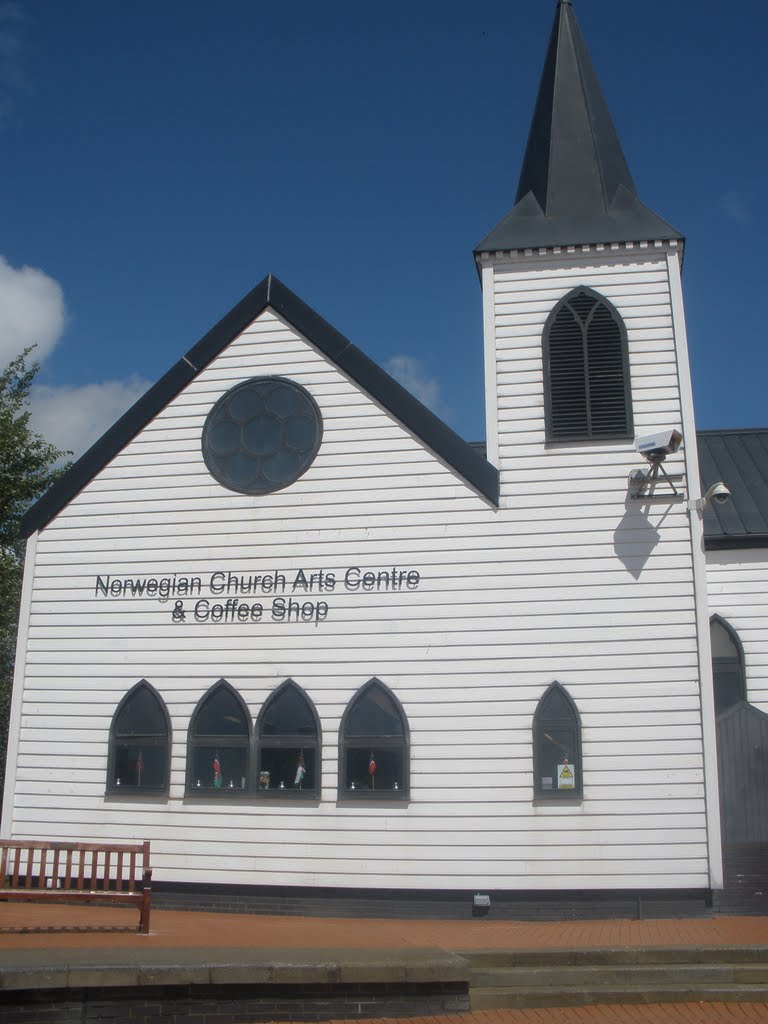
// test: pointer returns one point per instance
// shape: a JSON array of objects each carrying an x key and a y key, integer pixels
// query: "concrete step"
[
  {"x": 663, "y": 955},
  {"x": 608, "y": 975},
  {"x": 524, "y": 998}
]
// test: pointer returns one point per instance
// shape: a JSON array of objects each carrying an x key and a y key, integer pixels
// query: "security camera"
[
  {"x": 717, "y": 492},
  {"x": 658, "y": 446}
]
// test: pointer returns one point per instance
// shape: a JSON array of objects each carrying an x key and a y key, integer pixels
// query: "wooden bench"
[{"x": 108, "y": 873}]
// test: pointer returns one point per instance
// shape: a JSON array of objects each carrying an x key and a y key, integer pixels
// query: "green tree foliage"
[{"x": 28, "y": 466}]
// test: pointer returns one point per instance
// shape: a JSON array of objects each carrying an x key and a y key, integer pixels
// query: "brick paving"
[
  {"x": 40, "y": 927},
  {"x": 31, "y": 925}
]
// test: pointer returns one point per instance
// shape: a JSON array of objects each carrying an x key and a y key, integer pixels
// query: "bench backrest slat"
[{"x": 121, "y": 867}]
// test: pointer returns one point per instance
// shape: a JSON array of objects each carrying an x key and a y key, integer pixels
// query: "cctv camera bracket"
[{"x": 642, "y": 483}]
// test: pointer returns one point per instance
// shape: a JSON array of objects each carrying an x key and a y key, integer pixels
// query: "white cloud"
[
  {"x": 32, "y": 312},
  {"x": 74, "y": 417},
  {"x": 413, "y": 376}
]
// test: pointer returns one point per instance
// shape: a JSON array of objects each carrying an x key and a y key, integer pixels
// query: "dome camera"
[{"x": 717, "y": 492}]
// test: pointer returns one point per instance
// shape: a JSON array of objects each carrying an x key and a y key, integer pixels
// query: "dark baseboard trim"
[{"x": 546, "y": 905}]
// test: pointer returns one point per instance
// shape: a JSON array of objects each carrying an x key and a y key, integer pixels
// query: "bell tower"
[
  {"x": 577, "y": 223},
  {"x": 585, "y": 351}
]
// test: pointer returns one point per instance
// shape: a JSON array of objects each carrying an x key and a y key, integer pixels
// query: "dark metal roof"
[
  {"x": 415, "y": 417},
  {"x": 740, "y": 459},
  {"x": 575, "y": 186}
]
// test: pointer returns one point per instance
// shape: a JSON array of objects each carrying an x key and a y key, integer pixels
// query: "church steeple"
[{"x": 575, "y": 186}]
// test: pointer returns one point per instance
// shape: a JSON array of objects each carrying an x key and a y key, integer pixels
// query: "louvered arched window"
[
  {"x": 374, "y": 744},
  {"x": 139, "y": 743},
  {"x": 557, "y": 746},
  {"x": 727, "y": 665},
  {"x": 288, "y": 737},
  {"x": 218, "y": 750},
  {"x": 586, "y": 367}
]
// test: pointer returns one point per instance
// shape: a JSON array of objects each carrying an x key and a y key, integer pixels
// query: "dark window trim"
[
  {"x": 738, "y": 661},
  {"x": 540, "y": 795},
  {"x": 295, "y": 740},
  {"x": 151, "y": 741},
  {"x": 551, "y": 437},
  {"x": 345, "y": 795},
  {"x": 224, "y": 740},
  {"x": 211, "y": 459}
]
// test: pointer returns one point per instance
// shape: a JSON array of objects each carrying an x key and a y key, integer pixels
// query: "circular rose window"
[{"x": 262, "y": 435}]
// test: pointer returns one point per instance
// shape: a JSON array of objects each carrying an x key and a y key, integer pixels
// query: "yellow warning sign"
[{"x": 566, "y": 776}]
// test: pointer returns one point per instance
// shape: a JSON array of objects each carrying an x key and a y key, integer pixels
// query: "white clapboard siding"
[
  {"x": 570, "y": 489},
  {"x": 564, "y": 582},
  {"x": 737, "y": 582}
]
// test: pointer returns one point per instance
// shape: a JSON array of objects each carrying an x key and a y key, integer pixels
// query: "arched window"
[
  {"x": 557, "y": 746},
  {"x": 374, "y": 745},
  {"x": 586, "y": 369},
  {"x": 727, "y": 665},
  {"x": 139, "y": 743},
  {"x": 288, "y": 736},
  {"x": 219, "y": 743}
]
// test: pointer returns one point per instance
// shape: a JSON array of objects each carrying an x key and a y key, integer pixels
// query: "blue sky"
[{"x": 160, "y": 158}]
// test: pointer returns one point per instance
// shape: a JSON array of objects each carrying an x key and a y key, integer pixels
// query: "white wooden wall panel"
[
  {"x": 737, "y": 581},
  {"x": 509, "y": 601},
  {"x": 577, "y": 495}
]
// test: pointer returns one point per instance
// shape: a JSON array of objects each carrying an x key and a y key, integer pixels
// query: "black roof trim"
[
  {"x": 456, "y": 453},
  {"x": 728, "y": 543}
]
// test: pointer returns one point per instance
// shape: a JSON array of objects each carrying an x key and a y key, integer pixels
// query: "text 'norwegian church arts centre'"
[{"x": 232, "y": 590}]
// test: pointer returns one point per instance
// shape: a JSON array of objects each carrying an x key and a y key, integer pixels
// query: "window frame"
[
  {"x": 212, "y": 459},
  {"x": 576, "y": 794},
  {"x": 551, "y": 434},
  {"x": 374, "y": 743},
  {"x": 223, "y": 741},
  {"x": 140, "y": 739},
  {"x": 733, "y": 662},
  {"x": 287, "y": 741}
]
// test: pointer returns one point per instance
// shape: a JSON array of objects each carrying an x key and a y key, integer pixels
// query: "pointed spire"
[{"x": 575, "y": 186}]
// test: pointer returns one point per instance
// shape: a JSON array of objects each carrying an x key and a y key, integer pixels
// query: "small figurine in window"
[
  {"x": 372, "y": 771},
  {"x": 301, "y": 770},
  {"x": 216, "y": 772}
]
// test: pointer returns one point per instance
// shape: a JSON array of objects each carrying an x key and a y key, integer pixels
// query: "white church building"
[{"x": 288, "y": 626}]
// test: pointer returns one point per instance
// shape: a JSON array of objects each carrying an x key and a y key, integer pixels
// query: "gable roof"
[
  {"x": 575, "y": 186},
  {"x": 456, "y": 453},
  {"x": 740, "y": 459}
]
